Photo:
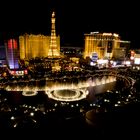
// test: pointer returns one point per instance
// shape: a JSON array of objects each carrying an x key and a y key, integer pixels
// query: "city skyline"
[
  {"x": 73, "y": 20},
  {"x": 90, "y": 81}
]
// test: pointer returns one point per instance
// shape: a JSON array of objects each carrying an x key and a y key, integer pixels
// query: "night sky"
[{"x": 73, "y": 19}]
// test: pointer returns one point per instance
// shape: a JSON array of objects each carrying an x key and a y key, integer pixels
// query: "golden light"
[
  {"x": 67, "y": 95},
  {"x": 107, "y": 34}
]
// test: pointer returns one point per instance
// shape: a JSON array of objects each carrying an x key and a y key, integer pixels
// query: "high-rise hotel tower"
[
  {"x": 32, "y": 45},
  {"x": 12, "y": 53},
  {"x": 103, "y": 44}
]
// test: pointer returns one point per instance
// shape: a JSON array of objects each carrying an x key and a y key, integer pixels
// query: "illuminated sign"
[
  {"x": 137, "y": 61},
  {"x": 94, "y": 56},
  {"x": 20, "y": 72}
]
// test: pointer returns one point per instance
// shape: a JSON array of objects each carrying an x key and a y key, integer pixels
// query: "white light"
[
  {"x": 137, "y": 61},
  {"x": 94, "y": 32},
  {"x": 87, "y": 92},
  {"x": 105, "y": 100},
  {"x": 72, "y": 105},
  {"x": 107, "y": 34},
  {"x": 116, "y": 35},
  {"x": 127, "y": 62},
  {"x": 111, "y": 61},
  {"x": 31, "y": 114},
  {"x": 119, "y": 102},
  {"x": 132, "y": 57},
  {"x": 34, "y": 121},
  {"x": 92, "y": 64},
  {"x": 15, "y": 125},
  {"x": 12, "y": 118},
  {"x": 129, "y": 95},
  {"x": 102, "y": 61}
]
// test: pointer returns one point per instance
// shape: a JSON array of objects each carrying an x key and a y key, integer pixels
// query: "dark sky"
[{"x": 73, "y": 19}]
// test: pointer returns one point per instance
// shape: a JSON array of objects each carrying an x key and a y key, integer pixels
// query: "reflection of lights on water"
[
  {"x": 56, "y": 94},
  {"x": 29, "y": 93},
  {"x": 33, "y": 90},
  {"x": 74, "y": 95},
  {"x": 97, "y": 82}
]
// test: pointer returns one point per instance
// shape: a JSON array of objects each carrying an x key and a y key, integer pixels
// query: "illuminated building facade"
[
  {"x": 103, "y": 44},
  {"x": 32, "y": 46},
  {"x": 54, "y": 49},
  {"x": 123, "y": 51},
  {"x": 12, "y": 54}
]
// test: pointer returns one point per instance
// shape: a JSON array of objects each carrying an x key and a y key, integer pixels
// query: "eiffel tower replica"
[{"x": 53, "y": 48}]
